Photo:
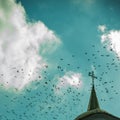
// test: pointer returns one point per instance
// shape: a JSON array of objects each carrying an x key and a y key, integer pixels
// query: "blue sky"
[{"x": 47, "y": 49}]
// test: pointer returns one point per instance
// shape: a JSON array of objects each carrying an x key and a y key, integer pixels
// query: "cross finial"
[{"x": 92, "y": 75}]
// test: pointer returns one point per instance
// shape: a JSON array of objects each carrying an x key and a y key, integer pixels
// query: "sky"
[{"x": 47, "y": 49}]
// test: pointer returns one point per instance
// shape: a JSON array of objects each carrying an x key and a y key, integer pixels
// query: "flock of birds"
[{"x": 40, "y": 100}]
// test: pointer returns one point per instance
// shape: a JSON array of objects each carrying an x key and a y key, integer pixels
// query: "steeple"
[
  {"x": 93, "y": 102},
  {"x": 94, "y": 112}
]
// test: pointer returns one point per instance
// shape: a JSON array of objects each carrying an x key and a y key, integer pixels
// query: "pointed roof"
[
  {"x": 93, "y": 106},
  {"x": 93, "y": 102}
]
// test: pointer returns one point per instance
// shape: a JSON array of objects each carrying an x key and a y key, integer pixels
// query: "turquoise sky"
[{"x": 80, "y": 25}]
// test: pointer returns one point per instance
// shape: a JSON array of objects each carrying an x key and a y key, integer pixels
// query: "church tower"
[
  {"x": 93, "y": 103},
  {"x": 94, "y": 112}
]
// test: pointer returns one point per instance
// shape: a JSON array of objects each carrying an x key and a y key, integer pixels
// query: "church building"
[{"x": 94, "y": 112}]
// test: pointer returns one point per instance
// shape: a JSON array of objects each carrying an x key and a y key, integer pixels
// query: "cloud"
[
  {"x": 22, "y": 45},
  {"x": 69, "y": 79},
  {"x": 102, "y": 28},
  {"x": 111, "y": 39}
]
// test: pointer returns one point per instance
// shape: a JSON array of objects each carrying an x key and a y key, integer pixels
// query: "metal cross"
[{"x": 92, "y": 75}]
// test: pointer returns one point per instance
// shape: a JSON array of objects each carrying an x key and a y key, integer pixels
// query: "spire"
[{"x": 93, "y": 102}]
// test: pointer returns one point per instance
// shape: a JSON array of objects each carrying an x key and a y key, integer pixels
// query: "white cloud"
[
  {"x": 21, "y": 44},
  {"x": 70, "y": 79},
  {"x": 112, "y": 40},
  {"x": 102, "y": 28}
]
